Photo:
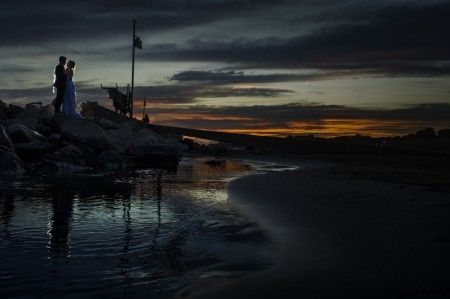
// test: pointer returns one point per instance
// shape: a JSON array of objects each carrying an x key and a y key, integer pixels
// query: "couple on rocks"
[{"x": 65, "y": 89}]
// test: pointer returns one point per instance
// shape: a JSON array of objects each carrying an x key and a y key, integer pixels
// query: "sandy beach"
[{"x": 357, "y": 230}]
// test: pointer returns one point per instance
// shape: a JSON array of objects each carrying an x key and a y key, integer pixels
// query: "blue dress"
[{"x": 70, "y": 100}]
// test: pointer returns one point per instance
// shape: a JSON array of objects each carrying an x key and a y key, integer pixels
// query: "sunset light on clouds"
[{"x": 300, "y": 67}]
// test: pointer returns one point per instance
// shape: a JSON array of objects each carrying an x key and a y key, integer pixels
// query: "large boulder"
[
  {"x": 144, "y": 147},
  {"x": 84, "y": 131},
  {"x": 5, "y": 140},
  {"x": 143, "y": 154},
  {"x": 65, "y": 160},
  {"x": 89, "y": 154},
  {"x": 14, "y": 110},
  {"x": 3, "y": 115},
  {"x": 27, "y": 142},
  {"x": 69, "y": 154},
  {"x": 10, "y": 163},
  {"x": 30, "y": 123},
  {"x": 110, "y": 160},
  {"x": 4, "y": 106},
  {"x": 125, "y": 139},
  {"x": 37, "y": 111},
  {"x": 107, "y": 124}
]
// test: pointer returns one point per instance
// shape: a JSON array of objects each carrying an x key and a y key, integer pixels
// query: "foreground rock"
[
  {"x": 84, "y": 131},
  {"x": 142, "y": 146},
  {"x": 37, "y": 111},
  {"x": 5, "y": 139},
  {"x": 10, "y": 163},
  {"x": 35, "y": 140},
  {"x": 27, "y": 143},
  {"x": 110, "y": 160}
]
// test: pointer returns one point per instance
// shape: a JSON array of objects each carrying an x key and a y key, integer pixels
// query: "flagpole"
[{"x": 132, "y": 69}]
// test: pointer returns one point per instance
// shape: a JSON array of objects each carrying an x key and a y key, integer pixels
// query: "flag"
[{"x": 137, "y": 42}]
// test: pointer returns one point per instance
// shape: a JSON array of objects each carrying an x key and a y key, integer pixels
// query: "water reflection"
[
  {"x": 149, "y": 232},
  {"x": 7, "y": 212},
  {"x": 59, "y": 230},
  {"x": 124, "y": 259}
]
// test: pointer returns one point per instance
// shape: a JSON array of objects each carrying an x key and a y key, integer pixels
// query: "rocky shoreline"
[{"x": 34, "y": 140}]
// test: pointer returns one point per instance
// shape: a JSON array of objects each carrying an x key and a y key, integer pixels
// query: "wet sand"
[{"x": 346, "y": 232}]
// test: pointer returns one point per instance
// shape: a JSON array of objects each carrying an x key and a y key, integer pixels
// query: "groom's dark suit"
[{"x": 60, "y": 84}]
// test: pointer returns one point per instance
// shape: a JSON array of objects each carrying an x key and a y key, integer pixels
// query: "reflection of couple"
[{"x": 65, "y": 89}]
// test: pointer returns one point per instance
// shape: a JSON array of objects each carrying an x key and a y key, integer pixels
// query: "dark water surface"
[{"x": 148, "y": 233}]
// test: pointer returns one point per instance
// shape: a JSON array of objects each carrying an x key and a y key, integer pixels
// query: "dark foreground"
[
  {"x": 360, "y": 229},
  {"x": 147, "y": 233}
]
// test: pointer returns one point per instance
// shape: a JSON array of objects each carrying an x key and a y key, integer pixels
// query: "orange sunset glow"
[{"x": 327, "y": 127}]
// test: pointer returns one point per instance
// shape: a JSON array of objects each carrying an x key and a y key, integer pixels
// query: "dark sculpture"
[{"x": 121, "y": 102}]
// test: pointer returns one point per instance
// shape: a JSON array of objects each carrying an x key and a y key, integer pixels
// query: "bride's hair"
[{"x": 71, "y": 64}]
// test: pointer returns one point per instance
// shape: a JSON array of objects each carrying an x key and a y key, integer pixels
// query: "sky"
[{"x": 279, "y": 68}]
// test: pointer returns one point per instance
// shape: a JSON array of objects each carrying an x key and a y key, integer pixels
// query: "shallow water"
[{"x": 146, "y": 233}]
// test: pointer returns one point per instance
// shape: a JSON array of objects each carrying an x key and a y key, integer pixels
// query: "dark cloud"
[
  {"x": 15, "y": 69},
  {"x": 246, "y": 41},
  {"x": 169, "y": 94},
  {"x": 54, "y": 21},
  {"x": 189, "y": 93},
  {"x": 312, "y": 112},
  {"x": 25, "y": 93},
  {"x": 226, "y": 77},
  {"x": 405, "y": 38},
  {"x": 401, "y": 38}
]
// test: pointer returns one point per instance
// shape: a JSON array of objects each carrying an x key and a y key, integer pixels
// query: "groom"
[{"x": 60, "y": 83}]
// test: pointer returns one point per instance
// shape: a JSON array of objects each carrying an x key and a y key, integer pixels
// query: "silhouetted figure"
[
  {"x": 146, "y": 119},
  {"x": 60, "y": 83}
]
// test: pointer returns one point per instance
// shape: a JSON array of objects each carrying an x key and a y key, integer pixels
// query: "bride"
[{"x": 69, "y": 102}]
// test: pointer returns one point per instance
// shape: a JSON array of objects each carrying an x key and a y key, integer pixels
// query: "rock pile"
[{"x": 35, "y": 140}]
